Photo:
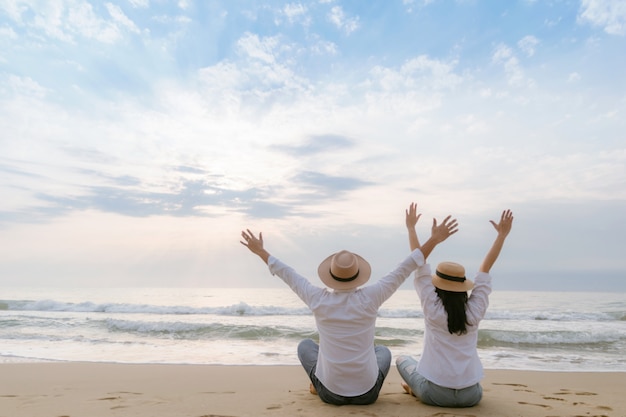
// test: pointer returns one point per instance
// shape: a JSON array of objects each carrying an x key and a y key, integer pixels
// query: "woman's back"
[{"x": 451, "y": 359}]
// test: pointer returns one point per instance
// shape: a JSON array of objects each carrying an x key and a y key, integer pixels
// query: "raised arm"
[
  {"x": 255, "y": 244},
  {"x": 503, "y": 227},
  {"x": 439, "y": 232},
  {"x": 411, "y": 220}
]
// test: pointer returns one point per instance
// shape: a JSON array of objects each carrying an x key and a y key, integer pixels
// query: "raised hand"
[
  {"x": 254, "y": 244},
  {"x": 440, "y": 232},
  {"x": 411, "y": 216},
  {"x": 503, "y": 227}
]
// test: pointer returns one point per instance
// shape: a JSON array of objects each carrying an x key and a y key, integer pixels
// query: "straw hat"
[
  {"x": 450, "y": 276},
  {"x": 344, "y": 271}
]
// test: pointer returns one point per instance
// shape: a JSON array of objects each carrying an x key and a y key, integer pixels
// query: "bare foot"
[
  {"x": 312, "y": 389},
  {"x": 407, "y": 389}
]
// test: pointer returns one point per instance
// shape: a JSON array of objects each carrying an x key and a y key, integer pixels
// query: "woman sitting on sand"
[{"x": 449, "y": 371}]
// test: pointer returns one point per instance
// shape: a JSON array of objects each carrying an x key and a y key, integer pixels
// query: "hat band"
[
  {"x": 352, "y": 278},
  {"x": 450, "y": 277}
]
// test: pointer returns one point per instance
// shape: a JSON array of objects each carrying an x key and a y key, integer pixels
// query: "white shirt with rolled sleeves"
[
  {"x": 451, "y": 360},
  {"x": 346, "y": 322}
]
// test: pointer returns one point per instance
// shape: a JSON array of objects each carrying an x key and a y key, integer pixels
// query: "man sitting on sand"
[{"x": 346, "y": 367}]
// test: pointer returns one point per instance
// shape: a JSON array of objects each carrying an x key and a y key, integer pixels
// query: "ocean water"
[{"x": 558, "y": 331}]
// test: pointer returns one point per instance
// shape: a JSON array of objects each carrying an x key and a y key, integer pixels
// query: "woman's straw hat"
[{"x": 450, "y": 276}]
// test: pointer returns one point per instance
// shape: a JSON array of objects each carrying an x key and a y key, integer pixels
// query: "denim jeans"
[
  {"x": 433, "y": 394},
  {"x": 307, "y": 353}
]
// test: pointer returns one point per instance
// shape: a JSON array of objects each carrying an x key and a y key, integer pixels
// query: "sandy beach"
[{"x": 100, "y": 389}]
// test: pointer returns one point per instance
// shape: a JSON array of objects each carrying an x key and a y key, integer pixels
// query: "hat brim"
[
  {"x": 453, "y": 286},
  {"x": 365, "y": 270}
]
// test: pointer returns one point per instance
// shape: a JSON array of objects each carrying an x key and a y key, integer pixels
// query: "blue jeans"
[
  {"x": 433, "y": 394},
  {"x": 307, "y": 353}
]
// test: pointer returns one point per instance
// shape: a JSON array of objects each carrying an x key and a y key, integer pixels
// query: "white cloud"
[
  {"x": 260, "y": 77},
  {"x": 82, "y": 19},
  {"x": 419, "y": 73},
  {"x": 339, "y": 19},
  {"x": 573, "y": 77},
  {"x": 324, "y": 47},
  {"x": 610, "y": 14},
  {"x": 118, "y": 16},
  {"x": 552, "y": 22},
  {"x": 72, "y": 19},
  {"x": 405, "y": 98},
  {"x": 473, "y": 124},
  {"x": 504, "y": 55},
  {"x": 408, "y": 4},
  {"x": 263, "y": 49},
  {"x": 297, "y": 12},
  {"x": 14, "y": 9},
  {"x": 26, "y": 86},
  {"x": 528, "y": 44},
  {"x": 8, "y": 33},
  {"x": 50, "y": 19},
  {"x": 140, "y": 3}
]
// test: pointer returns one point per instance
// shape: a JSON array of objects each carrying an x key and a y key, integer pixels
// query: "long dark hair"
[{"x": 454, "y": 303}]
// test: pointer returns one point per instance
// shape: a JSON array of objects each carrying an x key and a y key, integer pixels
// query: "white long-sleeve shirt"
[
  {"x": 451, "y": 360},
  {"x": 346, "y": 321}
]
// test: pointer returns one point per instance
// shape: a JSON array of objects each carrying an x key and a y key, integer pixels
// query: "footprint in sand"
[
  {"x": 118, "y": 395},
  {"x": 361, "y": 413},
  {"x": 554, "y": 398},
  {"x": 537, "y": 405},
  {"x": 119, "y": 398},
  {"x": 218, "y": 392},
  {"x": 518, "y": 386},
  {"x": 214, "y": 415},
  {"x": 569, "y": 392},
  {"x": 599, "y": 407},
  {"x": 510, "y": 384}
]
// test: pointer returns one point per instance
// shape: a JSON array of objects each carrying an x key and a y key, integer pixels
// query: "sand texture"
[{"x": 97, "y": 389}]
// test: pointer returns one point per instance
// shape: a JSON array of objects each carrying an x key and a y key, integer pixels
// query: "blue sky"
[{"x": 140, "y": 137}]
